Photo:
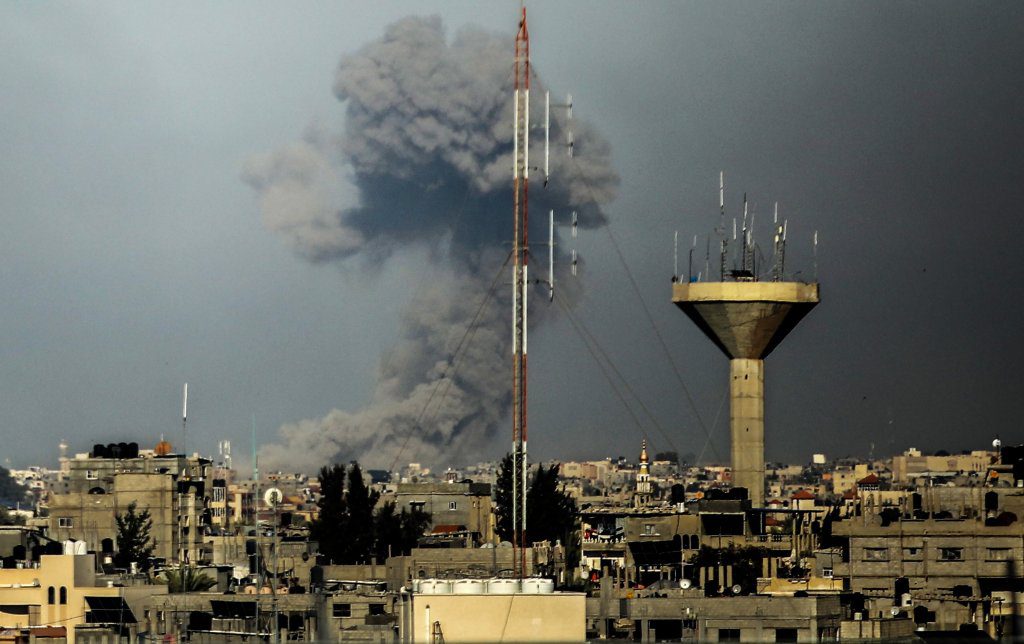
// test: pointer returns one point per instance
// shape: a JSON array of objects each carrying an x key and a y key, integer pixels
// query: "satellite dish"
[
  {"x": 272, "y": 496},
  {"x": 685, "y": 583},
  {"x": 737, "y": 589},
  {"x": 997, "y": 443},
  {"x": 894, "y": 611}
]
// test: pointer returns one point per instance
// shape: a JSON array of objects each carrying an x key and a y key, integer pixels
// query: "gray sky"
[{"x": 135, "y": 256}]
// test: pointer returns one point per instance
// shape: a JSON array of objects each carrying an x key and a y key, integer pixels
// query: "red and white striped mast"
[{"x": 520, "y": 252}]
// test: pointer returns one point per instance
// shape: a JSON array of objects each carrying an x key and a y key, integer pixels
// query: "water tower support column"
[{"x": 746, "y": 422}]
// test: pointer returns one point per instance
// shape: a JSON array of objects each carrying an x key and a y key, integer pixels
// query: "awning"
[{"x": 108, "y": 610}]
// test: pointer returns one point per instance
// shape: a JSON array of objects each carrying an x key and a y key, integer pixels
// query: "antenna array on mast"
[{"x": 744, "y": 260}]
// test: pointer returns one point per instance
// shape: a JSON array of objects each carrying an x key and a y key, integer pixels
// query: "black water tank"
[
  {"x": 991, "y": 501},
  {"x": 678, "y": 494}
]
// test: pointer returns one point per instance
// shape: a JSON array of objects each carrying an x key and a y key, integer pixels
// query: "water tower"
[{"x": 746, "y": 319}]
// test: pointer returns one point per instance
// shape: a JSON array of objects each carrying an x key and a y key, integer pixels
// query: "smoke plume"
[{"x": 425, "y": 160}]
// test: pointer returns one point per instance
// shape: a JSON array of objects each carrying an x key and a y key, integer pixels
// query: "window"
[
  {"x": 876, "y": 554},
  {"x": 649, "y": 529},
  {"x": 65, "y": 522},
  {"x": 376, "y": 609},
  {"x": 453, "y": 505},
  {"x": 343, "y": 610},
  {"x": 951, "y": 554},
  {"x": 997, "y": 554},
  {"x": 63, "y": 595},
  {"x": 90, "y": 475},
  {"x": 912, "y": 553},
  {"x": 785, "y": 634},
  {"x": 728, "y": 635},
  {"x": 51, "y": 596},
  {"x": 218, "y": 494},
  {"x": 826, "y": 573}
]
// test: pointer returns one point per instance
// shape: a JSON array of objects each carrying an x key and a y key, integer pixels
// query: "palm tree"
[{"x": 186, "y": 579}]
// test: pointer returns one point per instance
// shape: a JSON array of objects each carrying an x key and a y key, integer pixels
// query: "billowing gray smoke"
[{"x": 426, "y": 150}]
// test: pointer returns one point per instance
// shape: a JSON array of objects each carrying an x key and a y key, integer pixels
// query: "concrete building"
[
  {"x": 746, "y": 320},
  {"x": 96, "y": 487},
  {"x": 912, "y": 464},
  {"x": 554, "y": 617},
  {"x": 457, "y": 504},
  {"x": 687, "y": 615},
  {"x": 63, "y": 591}
]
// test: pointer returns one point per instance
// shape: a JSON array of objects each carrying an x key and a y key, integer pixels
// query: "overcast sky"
[{"x": 135, "y": 255}]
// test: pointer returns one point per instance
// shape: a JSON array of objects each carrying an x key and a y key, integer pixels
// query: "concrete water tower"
[{"x": 746, "y": 318}]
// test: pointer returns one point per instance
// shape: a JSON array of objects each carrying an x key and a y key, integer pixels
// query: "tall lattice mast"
[{"x": 520, "y": 252}]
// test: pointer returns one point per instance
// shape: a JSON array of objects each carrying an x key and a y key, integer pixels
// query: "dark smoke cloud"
[{"x": 425, "y": 159}]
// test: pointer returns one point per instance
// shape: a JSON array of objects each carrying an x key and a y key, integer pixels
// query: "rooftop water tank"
[
  {"x": 468, "y": 587},
  {"x": 538, "y": 586},
  {"x": 435, "y": 587},
  {"x": 500, "y": 586}
]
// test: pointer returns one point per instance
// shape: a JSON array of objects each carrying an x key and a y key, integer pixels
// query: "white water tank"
[
  {"x": 435, "y": 587},
  {"x": 416, "y": 585},
  {"x": 538, "y": 586},
  {"x": 468, "y": 587},
  {"x": 499, "y": 586}
]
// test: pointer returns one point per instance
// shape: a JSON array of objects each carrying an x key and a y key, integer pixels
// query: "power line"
[
  {"x": 581, "y": 328},
  {"x": 458, "y": 355},
  {"x": 647, "y": 313}
]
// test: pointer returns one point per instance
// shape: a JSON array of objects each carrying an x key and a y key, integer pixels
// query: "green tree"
[
  {"x": 11, "y": 492},
  {"x": 186, "y": 579},
  {"x": 551, "y": 513},
  {"x": 503, "y": 500},
  {"x": 351, "y": 529},
  {"x": 361, "y": 502},
  {"x": 332, "y": 523},
  {"x": 397, "y": 533},
  {"x": 133, "y": 540},
  {"x": 388, "y": 530},
  {"x": 414, "y": 523}
]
